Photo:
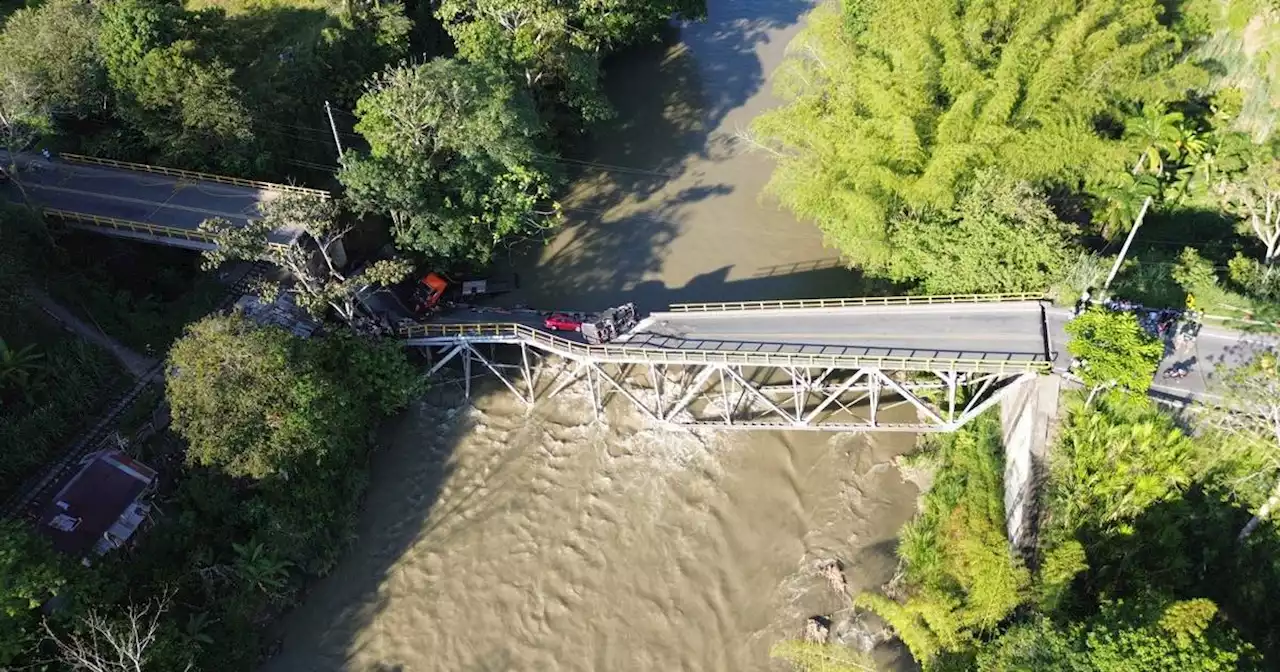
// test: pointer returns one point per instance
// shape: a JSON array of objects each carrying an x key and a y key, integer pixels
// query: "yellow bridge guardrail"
[
  {"x": 130, "y": 225},
  {"x": 193, "y": 175},
  {"x": 857, "y": 302},
  {"x": 136, "y": 227},
  {"x": 628, "y": 353}
]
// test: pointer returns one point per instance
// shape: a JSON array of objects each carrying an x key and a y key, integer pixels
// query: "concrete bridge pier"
[{"x": 1027, "y": 414}]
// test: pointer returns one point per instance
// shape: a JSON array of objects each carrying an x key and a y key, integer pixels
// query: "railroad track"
[{"x": 29, "y": 500}]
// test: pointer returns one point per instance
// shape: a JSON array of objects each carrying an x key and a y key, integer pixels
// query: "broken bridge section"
[{"x": 834, "y": 365}]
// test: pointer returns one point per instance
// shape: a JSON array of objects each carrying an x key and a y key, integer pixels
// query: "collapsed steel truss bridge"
[{"x": 673, "y": 374}]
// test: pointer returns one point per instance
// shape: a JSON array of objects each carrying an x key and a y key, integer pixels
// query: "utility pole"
[
  {"x": 1146, "y": 203},
  {"x": 1115, "y": 268},
  {"x": 336, "y": 140}
]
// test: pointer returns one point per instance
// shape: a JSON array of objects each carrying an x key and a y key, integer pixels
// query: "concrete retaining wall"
[{"x": 1026, "y": 416}]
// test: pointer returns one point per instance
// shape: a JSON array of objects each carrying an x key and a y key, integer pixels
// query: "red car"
[{"x": 562, "y": 322}]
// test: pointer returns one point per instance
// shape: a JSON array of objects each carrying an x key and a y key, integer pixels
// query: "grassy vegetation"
[
  {"x": 67, "y": 385},
  {"x": 140, "y": 294}
]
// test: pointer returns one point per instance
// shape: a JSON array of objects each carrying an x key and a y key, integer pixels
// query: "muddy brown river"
[{"x": 496, "y": 537}]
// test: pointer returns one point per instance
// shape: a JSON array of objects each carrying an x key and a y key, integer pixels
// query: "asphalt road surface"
[
  {"x": 1212, "y": 348},
  {"x": 990, "y": 332},
  {"x": 133, "y": 196}
]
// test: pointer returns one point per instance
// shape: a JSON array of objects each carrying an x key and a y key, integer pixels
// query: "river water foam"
[{"x": 496, "y": 538}]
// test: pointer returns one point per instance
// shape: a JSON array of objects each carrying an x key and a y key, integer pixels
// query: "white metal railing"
[
  {"x": 512, "y": 332},
  {"x": 857, "y": 302},
  {"x": 192, "y": 175}
]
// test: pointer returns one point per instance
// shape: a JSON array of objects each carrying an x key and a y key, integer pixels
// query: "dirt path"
[{"x": 136, "y": 364}]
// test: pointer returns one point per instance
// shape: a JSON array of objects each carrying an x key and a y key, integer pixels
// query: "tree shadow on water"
[
  {"x": 644, "y": 174},
  {"x": 419, "y": 500}
]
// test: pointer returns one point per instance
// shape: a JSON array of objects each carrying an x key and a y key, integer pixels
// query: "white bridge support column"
[{"x": 1027, "y": 414}]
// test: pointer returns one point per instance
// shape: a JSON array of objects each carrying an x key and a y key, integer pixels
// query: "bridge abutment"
[{"x": 1027, "y": 415}]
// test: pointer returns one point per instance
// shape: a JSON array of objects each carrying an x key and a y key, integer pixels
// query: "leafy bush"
[
  {"x": 1155, "y": 636},
  {"x": 1253, "y": 278},
  {"x": 1114, "y": 350},
  {"x": 999, "y": 237},
  {"x": 962, "y": 578},
  {"x": 30, "y": 574},
  {"x": 1061, "y": 564},
  {"x": 1193, "y": 272},
  {"x": 1109, "y": 466}
]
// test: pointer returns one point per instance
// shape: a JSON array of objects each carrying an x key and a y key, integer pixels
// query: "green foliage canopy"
[
  {"x": 999, "y": 237},
  {"x": 1111, "y": 466},
  {"x": 895, "y": 104},
  {"x": 452, "y": 158},
  {"x": 553, "y": 47},
  {"x": 1180, "y": 635},
  {"x": 290, "y": 415},
  {"x": 49, "y": 63},
  {"x": 30, "y": 573},
  {"x": 962, "y": 577},
  {"x": 254, "y": 402},
  {"x": 1114, "y": 350},
  {"x": 169, "y": 87}
]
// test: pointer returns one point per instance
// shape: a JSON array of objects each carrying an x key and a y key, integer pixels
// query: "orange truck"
[{"x": 436, "y": 291}]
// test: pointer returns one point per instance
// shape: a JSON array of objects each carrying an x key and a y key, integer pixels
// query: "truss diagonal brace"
[
  {"x": 445, "y": 360},
  {"x": 844, "y": 387},
  {"x": 694, "y": 388},
  {"x": 760, "y": 396},
  {"x": 996, "y": 396},
  {"x": 493, "y": 369},
  {"x": 625, "y": 392},
  {"x": 912, "y": 399}
]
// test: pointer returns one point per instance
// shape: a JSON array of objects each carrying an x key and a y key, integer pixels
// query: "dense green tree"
[
  {"x": 1113, "y": 350},
  {"x": 1118, "y": 200},
  {"x": 49, "y": 65},
  {"x": 170, "y": 89},
  {"x": 1179, "y": 636},
  {"x": 1247, "y": 420},
  {"x": 999, "y": 237},
  {"x": 1110, "y": 466},
  {"x": 1155, "y": 132},
  {"x": 293, "y": 417},
  {"x": 1254, "y": 197},
  {"x": 30, "y": 574},
  {"x": 961, "y": 576},
  {"x": 250, "y": 400},
  {"x": 556, "y": 47},
  {"x": 896, "y": 103},
  {"x": 451, "y": 160}
]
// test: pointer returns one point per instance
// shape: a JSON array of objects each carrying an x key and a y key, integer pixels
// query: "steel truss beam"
[{"x": 736, "y": 396}]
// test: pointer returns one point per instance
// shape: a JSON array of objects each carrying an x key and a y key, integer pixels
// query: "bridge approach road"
[{"x": 158, "y": 205}]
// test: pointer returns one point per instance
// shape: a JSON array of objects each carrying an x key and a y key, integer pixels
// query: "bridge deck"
[
  {"x": 1011, "y": 331},
  {"x": 986, "y": 336},
  {"x": 143, "y": 198}
]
